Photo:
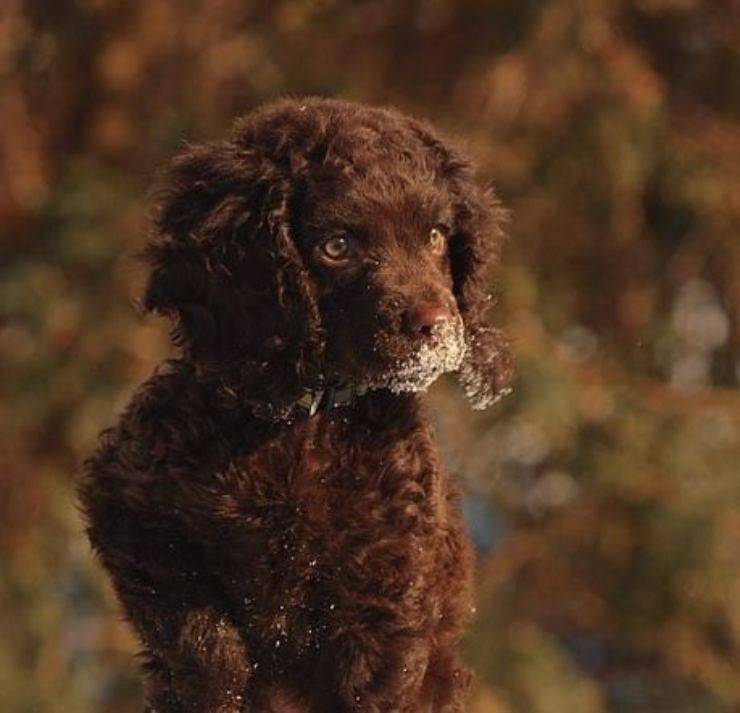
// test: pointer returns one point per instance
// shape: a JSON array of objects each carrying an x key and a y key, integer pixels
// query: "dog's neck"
[
  {"x": 328, "y": 397},
  {"x": 379, "y": 406},
  {"x": 323, "y": 398},
  {"x": 275, "y": 404}
]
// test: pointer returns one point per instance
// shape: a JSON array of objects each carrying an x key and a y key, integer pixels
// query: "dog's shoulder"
[{"x": 151, "y": 424}]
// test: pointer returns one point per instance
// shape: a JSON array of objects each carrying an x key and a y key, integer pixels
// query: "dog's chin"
[{"x": 442, "y": 351}]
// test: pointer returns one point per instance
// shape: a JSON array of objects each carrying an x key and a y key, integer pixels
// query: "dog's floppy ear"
[
  {"x": 183, "y": 283},
  {"x": 487, "y": 370},
  {"x": 224, "y": 267}
]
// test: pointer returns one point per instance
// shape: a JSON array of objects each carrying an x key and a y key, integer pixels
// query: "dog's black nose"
[{"x": 422, "y": 318}]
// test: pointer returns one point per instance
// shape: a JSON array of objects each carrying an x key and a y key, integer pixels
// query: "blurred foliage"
[{"x": 605, "y": 495}]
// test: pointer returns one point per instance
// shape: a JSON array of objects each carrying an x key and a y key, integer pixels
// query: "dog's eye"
[
  {"x": 336, "y": 248},
  {"x": 438, "y": 239}
]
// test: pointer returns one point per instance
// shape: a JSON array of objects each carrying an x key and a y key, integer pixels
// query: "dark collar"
[{"x": 327, "y": 398}]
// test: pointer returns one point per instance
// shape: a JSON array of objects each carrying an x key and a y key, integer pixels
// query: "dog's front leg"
[
  {"x": 447, "y": 681},
  {"x": 365, "y": 671},
  {"x": 210, "y": 664},
  {"x": 202, "y": 667},
  {"x": 196, "y": 659}
]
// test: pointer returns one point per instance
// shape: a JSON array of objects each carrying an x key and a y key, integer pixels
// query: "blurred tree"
[{"x": 607, "y": 486}]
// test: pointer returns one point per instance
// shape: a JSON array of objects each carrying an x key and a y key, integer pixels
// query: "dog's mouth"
[{"x": 441, "y": 351}]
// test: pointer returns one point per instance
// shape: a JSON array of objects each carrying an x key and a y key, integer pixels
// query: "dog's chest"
[
  {"x": 326, "y": 520},
  {"x": 322, "y": 478}
]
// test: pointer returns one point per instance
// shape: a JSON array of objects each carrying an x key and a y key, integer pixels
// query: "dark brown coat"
[{"x": 267, "y": 558}]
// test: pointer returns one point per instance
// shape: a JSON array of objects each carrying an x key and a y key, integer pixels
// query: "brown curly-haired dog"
[{"x": 271, "y": 506}]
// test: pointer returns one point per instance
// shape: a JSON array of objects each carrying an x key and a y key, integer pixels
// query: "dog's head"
[{"x": 328, "y": 243}]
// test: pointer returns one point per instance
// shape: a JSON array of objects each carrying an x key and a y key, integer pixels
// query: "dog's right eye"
[{"x": 335, "y": 248}]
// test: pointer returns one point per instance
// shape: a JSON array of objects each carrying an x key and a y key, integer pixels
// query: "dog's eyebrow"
[{"x": 320, "y": 230}]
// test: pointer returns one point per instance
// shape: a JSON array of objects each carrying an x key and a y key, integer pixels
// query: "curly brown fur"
[{"x": 270, "y": 560}]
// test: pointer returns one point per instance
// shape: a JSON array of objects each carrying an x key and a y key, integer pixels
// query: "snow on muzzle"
[{"x": 442, "y": 351}]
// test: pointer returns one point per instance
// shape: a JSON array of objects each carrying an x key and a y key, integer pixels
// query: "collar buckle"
[{"x": 329, "y": 398}]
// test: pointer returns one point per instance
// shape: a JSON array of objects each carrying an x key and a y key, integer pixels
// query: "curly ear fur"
[
  {"x": 224, "y": 267},
  {"x": 487, "y": 370}
]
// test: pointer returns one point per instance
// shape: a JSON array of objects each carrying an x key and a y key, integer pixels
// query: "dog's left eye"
[
  {"x": 336, "y": 248},
  {"x": 438, "y": 239}
]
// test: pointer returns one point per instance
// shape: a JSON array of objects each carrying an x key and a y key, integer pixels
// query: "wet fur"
[{"x": 269, "y": 561}]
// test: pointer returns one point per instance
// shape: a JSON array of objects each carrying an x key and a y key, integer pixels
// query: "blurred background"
[{"x": 604, "y": 495}]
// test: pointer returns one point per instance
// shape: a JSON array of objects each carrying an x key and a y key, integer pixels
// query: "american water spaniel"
[{"x": 270, "y": 506}]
